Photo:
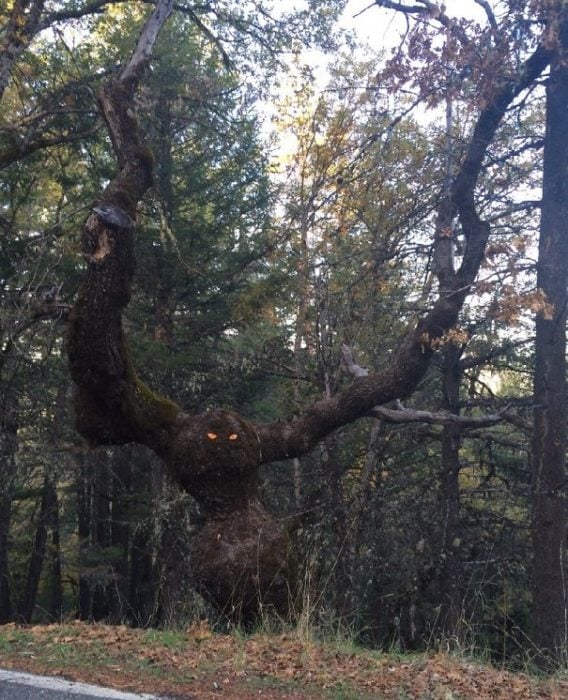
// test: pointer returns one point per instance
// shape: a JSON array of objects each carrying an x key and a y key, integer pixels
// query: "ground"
[{"x": 199, "y": 664}]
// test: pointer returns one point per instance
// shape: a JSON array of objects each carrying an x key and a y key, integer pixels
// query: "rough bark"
[
  {"x": 8, "y": 448},
  {"x": 39, "y": 548},
  {"x": 450, "y": 565},
  {"x": 240, "y": 556},
  {"x": 55, "y": 581},
  {"x": 549, "y": 526}
]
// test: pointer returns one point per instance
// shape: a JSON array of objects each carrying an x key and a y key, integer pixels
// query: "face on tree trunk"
[
  {"x": 240, "y": 557},
  {"x": 215, "y": 456}
]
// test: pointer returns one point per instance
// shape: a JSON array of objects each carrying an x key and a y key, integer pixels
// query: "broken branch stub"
[{"x": 113, "y": 215}]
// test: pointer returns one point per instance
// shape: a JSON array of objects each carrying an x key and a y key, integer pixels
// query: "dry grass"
[{"x": 199, "y": 664}]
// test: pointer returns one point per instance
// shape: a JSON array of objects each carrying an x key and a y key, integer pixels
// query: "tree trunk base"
[{"x": 240, "y": 559}]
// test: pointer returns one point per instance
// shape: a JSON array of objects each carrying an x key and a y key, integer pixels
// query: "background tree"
[
  {"x": 549, "y": 437},
  {"x": 549, "y": 20}
]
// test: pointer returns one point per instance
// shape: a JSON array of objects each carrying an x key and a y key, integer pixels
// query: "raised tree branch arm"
[
  {"x": 285, "y": 439},
  {"x": 112, "y": 404}
]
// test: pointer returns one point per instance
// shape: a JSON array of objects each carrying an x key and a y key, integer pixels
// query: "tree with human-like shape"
[{"x": 240, "y": 556}]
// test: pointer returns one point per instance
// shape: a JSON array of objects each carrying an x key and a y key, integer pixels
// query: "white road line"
[{"x": 71, "y": 687}]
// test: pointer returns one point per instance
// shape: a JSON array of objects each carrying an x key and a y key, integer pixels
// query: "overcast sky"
[{"x": 376, "y": 25}]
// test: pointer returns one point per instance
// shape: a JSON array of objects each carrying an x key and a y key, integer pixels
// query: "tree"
[
  {"x": 209, "y": 212},
  {"x": 354, "y": 222},
  {"x": 240, "y": 555},
  {"x": 549, "y": 520},
  {"x": 550, "y": 513},
  {"x": 50, "y": 128}
]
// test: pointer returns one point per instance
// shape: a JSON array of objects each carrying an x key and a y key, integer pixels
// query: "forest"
[{"x": 283, "y": 318}]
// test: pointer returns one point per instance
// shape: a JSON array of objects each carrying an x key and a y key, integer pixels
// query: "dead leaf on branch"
[
  {"x": 510, "y": 304},
  {"x": 455, "y": 336}
]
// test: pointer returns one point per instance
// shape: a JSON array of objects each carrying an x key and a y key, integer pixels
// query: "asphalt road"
[{"x": 26, "y": 686}]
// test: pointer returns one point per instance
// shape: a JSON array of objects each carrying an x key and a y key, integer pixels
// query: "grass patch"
[
  {"x": 14, "y": 639},
  {"x": 170, "y": 639},
  {"x": 196, "y": 662}
]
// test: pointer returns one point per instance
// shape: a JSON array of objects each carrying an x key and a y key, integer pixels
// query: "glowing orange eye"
[
  {"x": 212, "y": 436},
  {"x": 233, "y": 436}
]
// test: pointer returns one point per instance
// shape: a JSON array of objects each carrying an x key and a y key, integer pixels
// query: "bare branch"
[
  {"x": 490, "y": 15},
  {"x": 400, "y": 7},
  {"x": 146, "y": 41},
  {"x": 409, "y": 415},
  {"x": 462, "y": 200},
  {"x": 351, "y": 366},
  {"x": 26, "y": 148},
  {"x": 280, "y": 440},
  {"x": 526, "y": 426},
  {"x": 90, "y": 8},
  {"x": 211, "y": 36},
  {"x": 429, "y": 9},
  {"x": 527, "y": 205}
]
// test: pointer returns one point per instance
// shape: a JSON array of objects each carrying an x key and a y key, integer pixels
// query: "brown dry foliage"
[{"x": 200, "y": 664}]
